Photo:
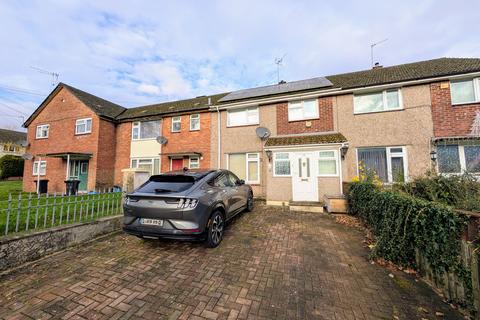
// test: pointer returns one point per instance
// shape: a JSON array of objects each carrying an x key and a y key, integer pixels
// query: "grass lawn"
[{"x": 27, "y": 211}]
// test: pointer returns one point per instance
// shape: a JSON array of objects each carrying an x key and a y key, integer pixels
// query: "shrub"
[{"x": 11, "y": 166}]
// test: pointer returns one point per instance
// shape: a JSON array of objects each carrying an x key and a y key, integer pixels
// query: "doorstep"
[{"x": 300, "y": 206}]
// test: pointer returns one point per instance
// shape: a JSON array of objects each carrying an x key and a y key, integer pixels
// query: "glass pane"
[
  {"x": 282, "y": 167},
  {"x": 177, "y": 126},
  {"x": 310, "y": 109},
  {"x": 472, "y": 158},
  {"x": 236, "y": 164},
  {"x": 374, "y": 159},
  {"x": 134, "y": 163},
  {"x": 149, "y": 129},
  {"x": 396, "y": 150},
  {"x": 156, "y": 166},
  {"x": 295, "y": 111},
  {"x": 252, "y": 171},
  {"x": 194, "y": 123},
  {"x": 89, "y": 125},
  {"x": 448, "y": 159},
  {"x": 252, "y": 116},
  {"x": 393, "y": 101},
  {"x": 398, "y": 171},
  {"x": 135, "y": 133},
  {"x": 369, "y": 102},
  {"x": 237, "y": 117},
  {"x": 327, "y": 167},
  {"x": 252, "y": 156},
  {"x": 326, "y": 154},
  {"x": 281, "y": 155},
  {"x": 462, "y": 91}
]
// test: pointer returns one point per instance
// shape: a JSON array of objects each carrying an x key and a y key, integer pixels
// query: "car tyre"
[
  {"x": 250, "y": 203},
  {"x": 215, "y": 230}
]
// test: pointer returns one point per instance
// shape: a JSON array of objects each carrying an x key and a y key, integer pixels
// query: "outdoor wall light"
[
  {"x": 343, "y": 150},
  {"x": 269, "y": 155},
  {"x": 433, "y": 155}
]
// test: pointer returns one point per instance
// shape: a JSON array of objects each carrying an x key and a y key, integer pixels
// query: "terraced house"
[{"x": 300, "y": 141}]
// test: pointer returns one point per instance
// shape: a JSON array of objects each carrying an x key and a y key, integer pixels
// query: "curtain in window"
[
  {"x": 149, "y": 129},
  {"x": 472, "y": 158},
  {"x": 374, "y": 159},
  {"x": 398, "y": 171},
  {"x": 462, "y": 91},
  {"x": 237, "y": 164},
  {"x": 448, "y": 159}
]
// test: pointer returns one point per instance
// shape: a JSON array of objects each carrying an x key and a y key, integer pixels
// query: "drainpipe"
[{"x": 219, "y": 132}]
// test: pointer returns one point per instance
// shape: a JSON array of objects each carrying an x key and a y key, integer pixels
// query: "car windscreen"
[{"x": 167, "y": 183}]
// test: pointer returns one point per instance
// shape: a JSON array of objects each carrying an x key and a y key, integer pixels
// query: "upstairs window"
[
  {"x": 145, "y": 130},
  {"x": 42, "y": 131},
  {"x": 194, "y": 122},
  {"x": 303, "y": 110},
  {"x": 242, "y": 117},
  {"x": 83, "y": 126},
  {"x": 176, "y": 124},
  {"x": 465, "y": 91},
  {"x": 378, "y": 101}
]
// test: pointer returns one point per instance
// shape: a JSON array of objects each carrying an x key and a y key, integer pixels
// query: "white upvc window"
[
  {"x": 43, "y": 167},
  {"x": 245, "y": 166},
  {"x": 281, "y": 164},
  {"x": 303, "y": 110},
  {"x": 176, "y": 124},
  {"x": 194, "y": 163},
  {"x": 465, "y": 91},
  {"x": 458, "y": 158},
  {"x": 389, "y": 163},
  {"x": 328, "y": 163},
  {"x": 242, "y": 117},
  {"x": 145, "y": 130},
  {"x": 385, "y": 100},
  {"x": 83, "y": 126},
  {"x": 42, "y": 131},
  {"x": 194, "y": 122},
  {"x": 151, "y": 165}
]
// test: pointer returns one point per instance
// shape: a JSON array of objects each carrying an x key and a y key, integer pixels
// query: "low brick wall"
[{"x": 16, "y": 250}]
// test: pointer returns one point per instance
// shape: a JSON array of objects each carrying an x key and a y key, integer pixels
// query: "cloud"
[{"x": 149, "y": 89}]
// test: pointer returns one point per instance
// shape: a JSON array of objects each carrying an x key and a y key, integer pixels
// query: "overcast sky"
[{"x": 154, "y": 51}]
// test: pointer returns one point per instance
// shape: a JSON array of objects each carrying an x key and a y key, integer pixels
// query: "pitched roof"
[
  {"x": 101, "y": 107},
  {"x": 12, "y": 136},
  {"x": 405, "y": 72},
  {"x": 306, "y": 139},
  {"x": 197, "y": 103}
]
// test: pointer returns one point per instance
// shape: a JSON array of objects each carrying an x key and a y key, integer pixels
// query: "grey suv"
[{"x": 186, "y": 204}]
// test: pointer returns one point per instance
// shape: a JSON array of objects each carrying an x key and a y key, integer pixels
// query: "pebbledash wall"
[{"x": 61, "y": 113}]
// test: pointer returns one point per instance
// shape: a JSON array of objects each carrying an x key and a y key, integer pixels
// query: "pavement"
[{"x": 272, "y": 264}]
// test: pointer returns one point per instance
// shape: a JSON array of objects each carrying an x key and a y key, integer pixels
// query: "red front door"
[{"x": 177, "y": 164}]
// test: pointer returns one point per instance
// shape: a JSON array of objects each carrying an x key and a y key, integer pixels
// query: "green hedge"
[
  {"x": 402, "y": 223},
  {"x": 11, "y": 166}
]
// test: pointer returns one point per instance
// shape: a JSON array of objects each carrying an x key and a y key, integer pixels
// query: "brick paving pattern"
[{"x": 272, "y": 264}]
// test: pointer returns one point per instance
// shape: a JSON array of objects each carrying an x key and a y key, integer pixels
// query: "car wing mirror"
[{"x": 241, "y": 182}]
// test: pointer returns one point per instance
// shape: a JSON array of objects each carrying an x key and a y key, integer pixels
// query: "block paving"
[{"x": 272, "y": 264}]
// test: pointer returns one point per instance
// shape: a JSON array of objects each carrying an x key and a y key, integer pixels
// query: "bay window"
[
  {"x": 145, "y": 130},
  {"x": 281, "y": 161},
  {"x": 465, "y": 91},
  {"x": 389, "y": 163},
  {"x": 246, "y": 166},
  {"x": 385, "y": 100},
  {"x": 242, "y": 117},
  {"x": 303, "y": 110},
  {"x": 458, "y": 158},
  {"x": 327, "y": 163}
]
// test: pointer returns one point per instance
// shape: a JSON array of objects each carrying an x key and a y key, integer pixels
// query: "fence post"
[
  {"x": 103, "y": 203},
  {"x": 81, "y": 208},
  {"x": 8, "y": 212},
  {"x": 98, "y": 202},
  {"x": 37, "y": 207},
  {"x": 19, "y": 209},
  {"x": 74, "y": 208},
  {"x": 87, "y": 206},
  {"x": 54, "y": 208},
  {"x": 68, "y": 208},
  {"x": 93, "y": 205},
  {"x": 28, "y": 211},
  {"x": 61, "y": 210},
  {"x": 45, "y": 215}
]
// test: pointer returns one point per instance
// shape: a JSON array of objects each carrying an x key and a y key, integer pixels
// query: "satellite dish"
[
  {"x": 162, "y": 140},
  {"x": 27, "y": 156},
  {"x": 262, "y": 132}
]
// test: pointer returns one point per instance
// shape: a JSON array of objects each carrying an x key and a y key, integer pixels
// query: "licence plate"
[{"x": 152, "y": 222}]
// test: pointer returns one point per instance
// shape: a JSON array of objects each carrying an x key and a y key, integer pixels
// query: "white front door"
[{"x": 304, "y": 177}]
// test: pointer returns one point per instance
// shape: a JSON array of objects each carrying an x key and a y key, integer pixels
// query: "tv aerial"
[
  {"x": 279, "y": 62},
  {"x": 54, "y": 75},
  {"x": 371, "y": 49}
]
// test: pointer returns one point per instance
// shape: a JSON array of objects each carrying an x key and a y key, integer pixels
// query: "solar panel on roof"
[{"x": 301, "y": 85}]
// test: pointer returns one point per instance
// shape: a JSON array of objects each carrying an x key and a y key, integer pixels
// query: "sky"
[{"x": 141, "y": 52}]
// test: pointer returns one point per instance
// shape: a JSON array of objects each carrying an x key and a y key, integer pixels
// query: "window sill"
[
  {"x": 194, "y": 130},
  {"x": 82, "y": 134},
  {"x": 41, "y": 138},
  {"x": 244, "y": 125},
  {"x": 175, "y": 131},
  {"x": 148, "y": 139},
  {"x": 463, "y": 104},
  {"x": 373, "y": 112},
  {"x": 306, "y": 119}
]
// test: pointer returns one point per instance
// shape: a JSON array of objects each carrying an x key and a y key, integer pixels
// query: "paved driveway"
[{"x": 271, "y": 265}]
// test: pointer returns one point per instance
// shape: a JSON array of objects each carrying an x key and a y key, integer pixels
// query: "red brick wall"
[
  {"x": 448, "y": 120},
  {"x": 323, "y": 124},
  {"x": 61, "y": 113},
  {"x": 122, "y": 150},
  {"x": 186, "y": 140}
]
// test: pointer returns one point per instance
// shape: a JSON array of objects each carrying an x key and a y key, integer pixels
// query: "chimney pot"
[{"x": 377, "y": 66}]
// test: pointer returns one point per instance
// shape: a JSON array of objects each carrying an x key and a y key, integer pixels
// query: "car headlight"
[{"x": 187, "y": 203}]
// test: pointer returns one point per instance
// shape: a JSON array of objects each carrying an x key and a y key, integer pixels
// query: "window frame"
[
  {"x": 175, "y": 120},
  {"x": 39, "y": 167},
  {"x": 335, "y": 157},
  {"x": 384, "y": 100},
  {"x": 476, "y": 90},
  {"x": 462, "y": 160},
  {"x": 247, "y": 160},
  {"x": 41, "y": 128},
  {"x": 246, "y": 110},
  {"x": 317, "y": 113},
  {"x": 85, "y": 120},
  {"x": 198, "y": 117},
  {"x": 389, "y": 156},
  {"x": 152, "y": 162},
  {"x": 275, "y": 160},
  {"x": 136, "y": 125},
  {"x": 190, "y": 162}
]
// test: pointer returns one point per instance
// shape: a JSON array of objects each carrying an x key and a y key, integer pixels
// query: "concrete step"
[{"x": 306, "y": 206}]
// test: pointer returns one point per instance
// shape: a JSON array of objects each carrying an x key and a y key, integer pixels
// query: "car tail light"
[{"x": 187, "y": 203}]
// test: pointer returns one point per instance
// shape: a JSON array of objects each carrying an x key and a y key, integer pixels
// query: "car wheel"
[
  {"x": 250, "y": 202},
  {"x": 215, "y": 230}
]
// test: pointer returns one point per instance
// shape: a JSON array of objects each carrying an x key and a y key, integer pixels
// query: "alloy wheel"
[{"x": 217, "y": 229}]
